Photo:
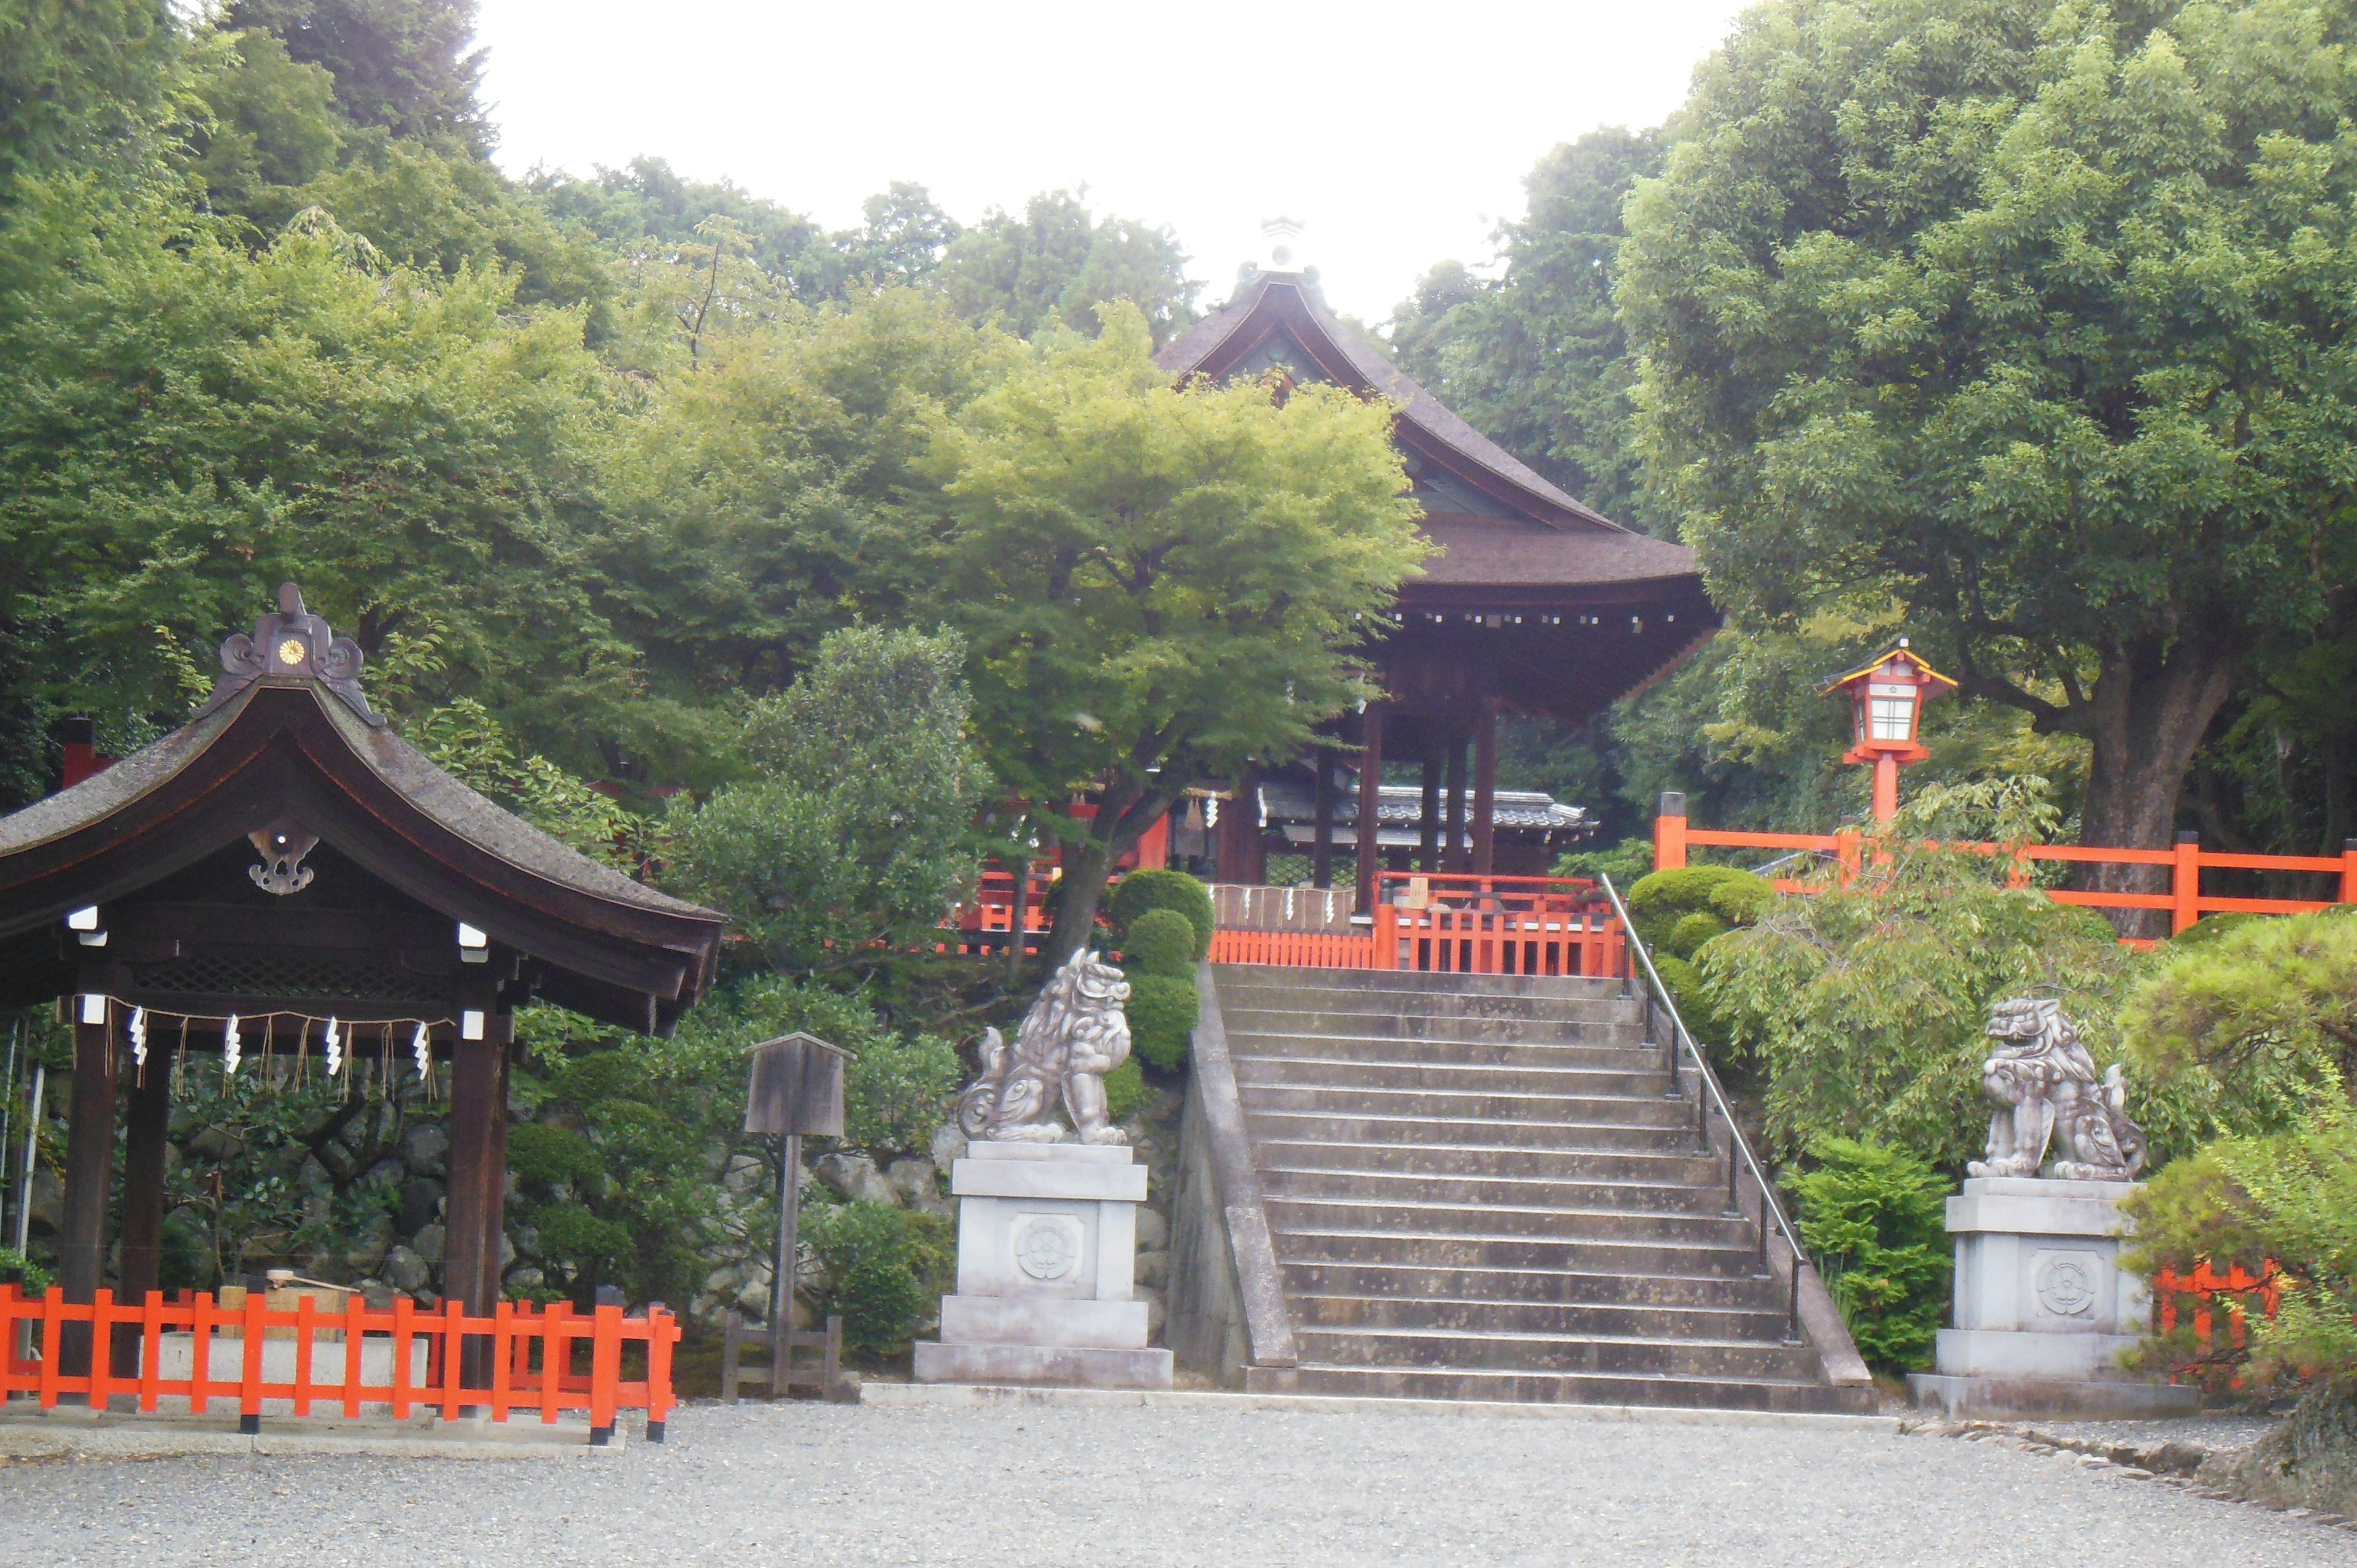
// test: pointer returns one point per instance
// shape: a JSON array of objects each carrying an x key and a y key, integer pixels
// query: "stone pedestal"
[
  {"x": 1046, "y": 1242},
  {"x": 2043, "y": 1308}
]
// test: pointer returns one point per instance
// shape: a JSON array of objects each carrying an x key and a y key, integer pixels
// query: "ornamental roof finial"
[{"x": 293, "y": 643}]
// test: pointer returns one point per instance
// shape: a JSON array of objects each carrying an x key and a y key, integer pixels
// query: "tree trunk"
[
  {"x": 2151, "y": 705},
  {"x": 1088, "y": 862}
]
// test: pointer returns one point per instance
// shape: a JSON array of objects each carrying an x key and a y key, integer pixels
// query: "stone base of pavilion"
[{"x": 28, "y": 1431}]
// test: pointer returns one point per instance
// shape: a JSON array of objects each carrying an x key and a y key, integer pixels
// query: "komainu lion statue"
[
  {"x": 1073, "y": 1035},
  {"x": 2044, "y": 1084}
]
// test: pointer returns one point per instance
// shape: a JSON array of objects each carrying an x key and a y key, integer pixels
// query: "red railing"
[
  {"x": 984, "y": 920},
  {"x": 303, "y": 1360},
  {"x": 2183, "y": 901},
  {"x": 1455, "y": 922},
  {"x": 2199, "y": 1295}
]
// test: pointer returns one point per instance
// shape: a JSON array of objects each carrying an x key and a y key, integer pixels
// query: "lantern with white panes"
[{"x": 1887, "y": 697}]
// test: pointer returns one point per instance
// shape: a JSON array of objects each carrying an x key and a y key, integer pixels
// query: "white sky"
[{"x": 1399, "y": 134}]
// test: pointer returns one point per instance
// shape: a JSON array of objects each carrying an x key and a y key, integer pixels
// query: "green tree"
[
  {"x": 85, "y": 85},
  {"x": 1863, "y": 1006},
  {"x": 403, "y": 65},
  {"x": 854, "y": 838},
  {"x": 1158, "y": 582},
  {"x": 778, "y": 493},
  {"x": 183, "y": 426},
  {"x": 270, "y": 128},
  {"x": 1057, "y": 262},
  {"x": 2025, "y": 316},
  {"x": 1538, "y": 360}
]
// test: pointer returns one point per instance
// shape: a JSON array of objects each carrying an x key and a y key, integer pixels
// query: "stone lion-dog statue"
[
  {"x": 2044, "y": 1085},
  {"x": 1074, "y": 1035}
]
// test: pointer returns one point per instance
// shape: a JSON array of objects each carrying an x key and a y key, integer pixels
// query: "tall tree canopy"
[
  {"x": 1055, "y": 263},
  {"x": 1158, "y": 584},
  {"x": 406, "y": 65},
  {"x": 1537, "y": 359},
  {"x": 2032, "y": 317}
]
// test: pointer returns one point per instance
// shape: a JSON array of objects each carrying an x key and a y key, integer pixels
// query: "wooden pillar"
[
  {"x": 478, "y": 1164},
  {"x": 1428, "y": 831},
  {"x": 1485, "y": 788},
  {"x": 1452, "y": 855},
  {"x": 89, "y": 1174},
  {"x": 1371, "y": 794},
  {"x": 473, "y": 1219},
  {"x": 145, "y": 1141},
  {"x": 1321, "y": 847}
]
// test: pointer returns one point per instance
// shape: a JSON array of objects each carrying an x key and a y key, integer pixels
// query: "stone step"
[
  {"x": 1679, "y": 1163},
  {"x": 1411, "y": 983},
  {"x": 1411, "y": 1049},
  {"x": 1562, "y": 1388},
  {"x": 1456, "y": 1077},
  {"x": 1382, "y": 1215},
  {"x": 1763, "y": 1324},
  {"x": 1344, "y": 1127},
  {"x": 1343, "y": 1099},
  {"x": 1680, "y": 1358},
  {"x": 1593, "y": 1025},
  {"x": 1308, "y": 1181},
  {"x": 1753, "y": 1293},
  {"x": 1468, "y": 1250}
]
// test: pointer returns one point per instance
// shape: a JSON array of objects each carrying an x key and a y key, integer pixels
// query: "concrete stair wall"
[{"x": 1483, "y": 1187}]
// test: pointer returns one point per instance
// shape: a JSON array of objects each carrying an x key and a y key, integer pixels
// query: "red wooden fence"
[
  {"x": 548, "y": 1382},
  {"x": 2199, "y": 1295},
  {"x": 1673, "y": 838},
  {"x": 1460, "y": 923}
]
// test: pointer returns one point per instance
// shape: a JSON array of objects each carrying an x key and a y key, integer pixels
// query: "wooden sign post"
[{"x": 796, "y": 1089}]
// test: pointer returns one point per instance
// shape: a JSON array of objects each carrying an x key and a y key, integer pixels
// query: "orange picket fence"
[
  {"x": 194, "y": 1353},
  {"x": 1674, "y": 838},
  {"x": 2199, "y": 1297},
  {"x": 1294, "y": 950},
  {"x": 1464, "y": 923}
]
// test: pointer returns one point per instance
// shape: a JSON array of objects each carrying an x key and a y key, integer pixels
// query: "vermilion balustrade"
[
  {"x": 547, "y": 1383},
  {"x": 1673, "y": 838}
]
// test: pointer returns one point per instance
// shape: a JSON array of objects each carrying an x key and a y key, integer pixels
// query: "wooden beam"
[
  {"x": 1428, "y": 831},
  {"x": 1453, "y": 856},
  {"x": 146, "y": 1131},
  {"x": 1371, "y": 792},
  {"x": 89, "y": 1175},
  {"x": 1485, "y": 788},
  {"x": 1321, "y": 847}
]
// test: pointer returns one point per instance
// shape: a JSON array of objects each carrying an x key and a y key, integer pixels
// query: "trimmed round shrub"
[
  {"x": 1160, "y": 941},
  {"x": 1685, "y": 984},
  {"x": 1742, "y": 902},
  {"x": 1662, "y": 899},
  {"x": 882, "y": 1268},
  {"x": 1124, "y": 1087},
  {"x": 1161, "y": 1014},
  {"x": 1154, "y": 887},
  {"x": 1691, "y": 931}
]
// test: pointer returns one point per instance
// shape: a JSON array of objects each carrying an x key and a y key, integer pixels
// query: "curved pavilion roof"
[
  {"x": 292, "y": 740},
  {"x": 1529, "y": 579}
]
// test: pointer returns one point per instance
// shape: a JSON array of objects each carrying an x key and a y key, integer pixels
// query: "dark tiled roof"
[
  {"x": 487, "y": 827},
  {"x": 1192, "y": 348},
  {"x": 1482, "y": 552}
]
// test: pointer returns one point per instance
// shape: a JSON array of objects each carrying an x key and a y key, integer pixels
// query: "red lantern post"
[{"x": 1888, "y": 696}]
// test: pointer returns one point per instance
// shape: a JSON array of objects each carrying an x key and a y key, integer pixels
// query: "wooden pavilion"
[
  {"x": 283, "y": 873},
  {"x": 1536, "y": 604}
]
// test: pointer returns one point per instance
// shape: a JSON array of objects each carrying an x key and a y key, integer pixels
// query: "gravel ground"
[
  {"x": 824, "y": 1485},
  {"x": 2208, "y": 1431}
]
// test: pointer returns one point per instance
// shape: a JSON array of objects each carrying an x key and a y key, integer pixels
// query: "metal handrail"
[{"x": 1709, "y": 1096}]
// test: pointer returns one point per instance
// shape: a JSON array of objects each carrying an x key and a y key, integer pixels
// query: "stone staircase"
[{"x": 1480, "y": 1186}]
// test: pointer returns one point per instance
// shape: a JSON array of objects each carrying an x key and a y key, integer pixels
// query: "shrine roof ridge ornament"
[{"x": 292, "y": 644}]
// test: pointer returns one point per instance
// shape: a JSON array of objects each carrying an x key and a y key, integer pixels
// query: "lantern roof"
[{"x": 1883, "y": 662}]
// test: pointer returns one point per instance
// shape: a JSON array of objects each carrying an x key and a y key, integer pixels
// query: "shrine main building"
[{"x": 1535, "y": 605}]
